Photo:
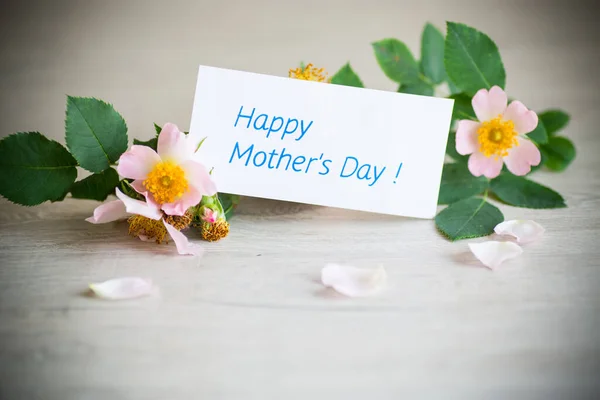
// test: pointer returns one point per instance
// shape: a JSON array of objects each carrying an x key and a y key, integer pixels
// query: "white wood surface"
[{"x": 250, "y": 320}]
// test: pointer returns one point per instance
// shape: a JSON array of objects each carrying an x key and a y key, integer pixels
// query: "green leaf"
[
  {"x": 420, "y": 87},
  {"x": 472, "y": 59},
  {"x": 458, "y": 183},
  {"x": 452, "y": 88},
  {"x": 558, "y": 153},
  {"x": 396, "y": 61},
  {"x": 521, "y": 192},
  {"x": 462, "y": 107},
  {"x": 61, "y": 197},
  {"x": 229, "y": 202},
  {"x": 539, "y": 135},
  {"x": 468, "y": 218},
  {"x": 34, "y": 169},
  {"x": 152, "y": 143},
  {"x": 97, "y": 186},
  {"x": 554, "y": 120},
  {"x": 451, "y": 149},
  {"x": 347, "y": 77},
  {"x": 128, "y": 190},
  {"x": 432, "y": 54},
  {"x": 96, "y": 134}
]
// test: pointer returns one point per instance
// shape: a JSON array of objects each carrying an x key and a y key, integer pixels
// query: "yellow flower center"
[
  {"x": 309, "y": 73},
  {"x": 166, "y": 182},
  {"x": 496, "y": 137}
]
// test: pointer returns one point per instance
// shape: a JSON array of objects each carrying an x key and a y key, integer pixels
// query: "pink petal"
[
  {"x": 209, "y": 215},
  {"x": 466, "y": 137},
  {"x": 520, "y": 158},
  {"x": 198, "y": 176},
  {"x": 108, "y": 212},
  {"x": 123, "y": 288},
  {"x": 493, "y": 253},
  {"x": 489, "y": 105},
  {"x": 139, "y": 207},
  {"x": 139, "y": 187},
  {"x": 190, "y": 198},
  {"x": 479, "y": 165},
  {"x": 137, "y": 162},
  {"x": 182, "y": 243},
  {"x": 352, "y": 281},
  {"x": 173, "y": 145},
  {"x": 525, "y": 231},
  {"x": 525, "y": 120}
]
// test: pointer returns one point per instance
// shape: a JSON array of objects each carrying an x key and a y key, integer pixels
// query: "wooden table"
[{"x": 250, "y": 319}]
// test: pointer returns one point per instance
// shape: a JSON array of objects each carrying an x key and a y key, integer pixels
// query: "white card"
[{"x": 319, "y": 143}]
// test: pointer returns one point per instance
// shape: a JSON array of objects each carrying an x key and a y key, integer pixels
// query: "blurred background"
[{"x": 143, "y": 55}]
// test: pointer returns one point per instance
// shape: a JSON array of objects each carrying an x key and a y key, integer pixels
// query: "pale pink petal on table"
[
  {"x": 137, "y": 162},
  {"x": 352, "y": 281},
  {"x": 108, "y": 212},
  {"x": 525, "y": 231},
  {"x": 520, "y": 158},
  {"x": 489, "y": 104},
  {"x": 493, "y": 253},
  {"x": 123, "y": 288}
]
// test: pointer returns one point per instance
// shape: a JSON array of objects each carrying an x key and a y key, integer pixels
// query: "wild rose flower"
[
  {"x": 499, "y": 136},
  {"x": 169, "y": 179},
  {"x": 309, "y": 73},
  {"x": 171, "y": 183},
  {"x": 146, "y": 221}
]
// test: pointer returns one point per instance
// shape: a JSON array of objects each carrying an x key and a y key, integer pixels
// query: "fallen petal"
[
  {"x": 184, "y": 247},
  {"x": 123, "y": 288},
  {"x": 525, "y": 231},
  {"x": 108, "y": 212},
  {"x": 352, "y": 281},
  {"x": 493, "y": 253}
]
